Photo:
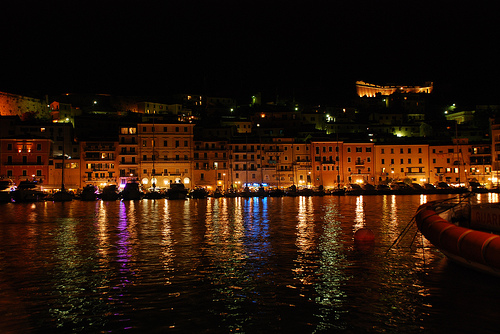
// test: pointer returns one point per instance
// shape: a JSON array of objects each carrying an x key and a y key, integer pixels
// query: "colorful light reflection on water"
[{"x": 232, "y": 265}]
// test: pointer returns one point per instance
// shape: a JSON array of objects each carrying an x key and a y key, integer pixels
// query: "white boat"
[{"x": 27, "y": 191}]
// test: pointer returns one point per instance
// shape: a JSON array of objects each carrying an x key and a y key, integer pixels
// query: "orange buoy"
[{"x": 364, "y": 235}]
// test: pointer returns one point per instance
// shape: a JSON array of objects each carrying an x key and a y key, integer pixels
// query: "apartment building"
[
  {"x": 358, "y": 163},
  {"x": 25, "y": 157},
  {"x": 326, "y": 158},
  {"x": 480, "y": 163},
  {"x": 128, "y": 155},
  {"x": 245, "y": 164},
  {"x": 99, "y": 162},
  {"x": 165, "y": 153},
  {"x": 401, "y": 162},
  {"x": 211, "y": 164},
  {"x": 450, "y": 163}
]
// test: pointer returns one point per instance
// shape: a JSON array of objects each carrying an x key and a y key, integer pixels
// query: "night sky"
[{"x": 313, "y": 50}]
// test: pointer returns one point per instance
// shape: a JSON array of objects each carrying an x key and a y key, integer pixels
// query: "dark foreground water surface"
[{"x": 244, "y": 265}]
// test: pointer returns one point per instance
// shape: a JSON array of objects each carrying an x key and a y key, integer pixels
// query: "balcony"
[
  {"x": 99, "y": 148},
  {"x": 359, "y": 162},
  {"x": 98, "y": 179}
]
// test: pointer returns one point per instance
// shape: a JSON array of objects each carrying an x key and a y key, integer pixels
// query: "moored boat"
[
  {"x": 27, "y": 191},
  {"x": 131, "y": 191},
  {"x": 177, "y": 191},
  {"x": 109, "y": 193},
  {"x": 62, "y": 196},
  {"x": 88, "y": 193},
  {"x": 466, "y": 234},
  {"x": 5, "y": 186},
  {"x": 198, "y": 193}
]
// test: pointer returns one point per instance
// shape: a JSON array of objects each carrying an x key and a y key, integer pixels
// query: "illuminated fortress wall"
[
  {"x": 16, "y": 105},
  {"x": 371, "y": 90}
]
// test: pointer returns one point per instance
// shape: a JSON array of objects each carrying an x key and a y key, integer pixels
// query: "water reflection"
[
  {"x": 228, "y": 265},
  {"x": 332, "y": 271},
  {"x": 359, "y": 220}
]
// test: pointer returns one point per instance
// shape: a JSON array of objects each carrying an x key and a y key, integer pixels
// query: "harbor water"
[{"x": 242, "y": 265}]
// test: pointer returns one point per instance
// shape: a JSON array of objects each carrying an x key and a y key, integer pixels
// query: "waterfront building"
[
  {"x": 245, "y": 156},
  {"x": 128, "y": 155},
  {"x": 99, "y": 165},
  {"x": 71, "y": 177},
  {"x": 358, "y": 163},
  {"x": 480, "y": 164},
  {"x": 401, "y": 162},
  {"x": 327, "y": 157},
  {"x": 450, "y": 163},
  {"x": 302, "y": 164},
  {"x": 211, "y": 164},
  {"x": 165, "y": 153},
  {"x": 61, "y": 134},
  {"x": 25, "y": 158}
]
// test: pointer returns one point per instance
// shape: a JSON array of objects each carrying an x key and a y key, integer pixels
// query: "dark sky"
[{"x": 305, "y": 48}]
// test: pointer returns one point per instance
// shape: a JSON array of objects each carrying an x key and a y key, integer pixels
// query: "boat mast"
[
  {"x": 153, "y": 172},
  {"x": 62, "y": 167}
]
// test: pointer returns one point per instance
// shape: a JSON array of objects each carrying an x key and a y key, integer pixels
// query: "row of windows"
[
  {"x": 133, "y": 131},
  {"x": 24, "y": 172},
  {"x": 165, "y": 143},
  {"x": 401, "y": 150},
  {"x": 401, "y": 161},
  {"x": 23, "y": 148}
]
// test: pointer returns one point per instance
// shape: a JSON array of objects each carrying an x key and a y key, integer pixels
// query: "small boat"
[
  {"x": 369, "y": 189},
  {"x": 27, "y": 191},
  {"x": 110, "y": 193},
  {"x": 354, "y": 189},
  {"x": 276, "y": 192},
  {"x": 231, "y": 193},
  {"x": 217, "y": 193},
  {"x": 337, "y": 191},
  {"x": 467, "y": 234},
  {"x": 154, "y": 194},
  {"x": 131, "y": 191},
  {"x": 62, "y": 196},
  {"x": 261, "y": 192},
  {"x": 88, "y": 193},
  {"x": 198, "y": 193},
  {"x": 177, "y": 191},
  {"x": 305, "y": 192},
  {"x": 5, "y": 196},
  {"x": 383, "y": 189},
  {"x": 292, "y": 191}
]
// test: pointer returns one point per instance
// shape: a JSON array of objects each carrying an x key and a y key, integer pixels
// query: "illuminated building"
[
  {"x": 25, "y": 158},
  {"x": 99, "y": 165},
  {"x": 358, "y": 163},
  {"x": 495, "y": 137},
  {"x": 450, "y": 163},
  {"x": 211, "y": 164},
  {"x": 241, "y": 126},
  {"x": 402, "y": 162},
  {"x": 327, "y": 158},
  {"x": 64, "y": 112},
  {"x": 371, "y": 90},
  {"x": 165, "y": 153},
  {"x": 460, "y": 117},
  {"x": 128, "y": 155}
]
